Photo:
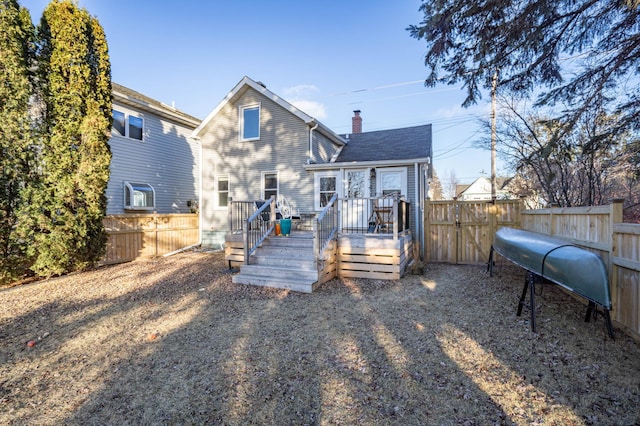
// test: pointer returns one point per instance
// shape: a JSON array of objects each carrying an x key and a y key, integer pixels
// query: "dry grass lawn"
[{"x": 173, "y": 341}]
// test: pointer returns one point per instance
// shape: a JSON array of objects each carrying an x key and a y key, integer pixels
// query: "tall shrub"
[
  {"x": 74, "y": 82},
  {"x": 16, "y": 155}
]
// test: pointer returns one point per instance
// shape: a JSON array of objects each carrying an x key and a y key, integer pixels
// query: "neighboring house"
[
  {"x": 255, "y": 145},
  {"x": 155, "y": 165},
  {"x": 480, "y": 190}
]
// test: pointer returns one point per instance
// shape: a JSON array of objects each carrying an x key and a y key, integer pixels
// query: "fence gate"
[{"x": 462, "y": 231}]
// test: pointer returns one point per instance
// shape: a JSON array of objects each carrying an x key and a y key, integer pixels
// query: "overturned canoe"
[{"x": 571, "y": 267}]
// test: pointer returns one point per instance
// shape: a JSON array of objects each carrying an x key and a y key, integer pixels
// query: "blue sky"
[{"x": 328, "y": 58}]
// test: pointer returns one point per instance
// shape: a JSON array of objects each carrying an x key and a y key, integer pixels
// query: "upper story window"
[
  {"x": 135, "y": 127},
  {"x": 128, "y": 125},
  {"x": 118, "y": 122},
  {"x": 250, "y": 123}
]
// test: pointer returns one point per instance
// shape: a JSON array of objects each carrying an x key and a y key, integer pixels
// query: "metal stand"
[
  {"x": 529, "y": 283},
  {"x": 592, "y": 311}
]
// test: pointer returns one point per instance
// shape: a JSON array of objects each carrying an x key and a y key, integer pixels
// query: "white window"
[
  {"x": 250, "y": 122},
  {"x": 139, "y": 196},
  {"x": 128, "y": 126},
  {"x": 223, "y": 191},
  {"x": 326, "y": 184},
  {"x": 269, "y": 185}
]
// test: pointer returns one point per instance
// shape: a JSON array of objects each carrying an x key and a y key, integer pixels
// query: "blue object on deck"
[{"x": 555, "y": 260}]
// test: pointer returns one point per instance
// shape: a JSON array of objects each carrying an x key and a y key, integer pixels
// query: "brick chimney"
[{"x": 356, "y": 122}]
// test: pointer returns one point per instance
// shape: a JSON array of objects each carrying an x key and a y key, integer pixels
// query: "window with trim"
[
  {"x": 128, "y": 126},
  {"x": 269, "y": 185},
  {"x": 223, "y": 191},
  {"x": 135, "y": 127},
  {"x": 139, "y": 196},
  {"x": 250, "y": 123},
  {"x": 326, "y": 185},
  {"x": 118, "y": 122}
]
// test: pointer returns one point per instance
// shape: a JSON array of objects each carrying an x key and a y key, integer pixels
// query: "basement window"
[{"x": 139, "y": 196}]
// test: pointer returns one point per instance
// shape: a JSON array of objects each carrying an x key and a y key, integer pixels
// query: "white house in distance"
[{"x": 480, "y": 190}]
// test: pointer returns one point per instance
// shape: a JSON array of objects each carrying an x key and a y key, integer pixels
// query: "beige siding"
[
  {"x": 282, "y": 147},
  {"x": 323, "y": 148}
]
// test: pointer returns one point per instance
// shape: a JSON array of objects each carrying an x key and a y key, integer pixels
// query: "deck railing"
[
  {"x": 370, "y": 215},
  {"x": 256, "y": 220},
  {"x": 375, "y": 215},
  {"x": 325, "y": 227}
]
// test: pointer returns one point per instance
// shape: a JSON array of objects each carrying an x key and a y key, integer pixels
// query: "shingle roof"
[
  {"x": 395, "y": 144},
  {"x": 124, "y": 94}
]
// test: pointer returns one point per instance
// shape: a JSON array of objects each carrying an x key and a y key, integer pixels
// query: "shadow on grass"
[{"x": 190, "y": 347}]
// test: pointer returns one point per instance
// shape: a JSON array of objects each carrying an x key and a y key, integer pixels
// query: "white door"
[{"x": 355, "y": 212}]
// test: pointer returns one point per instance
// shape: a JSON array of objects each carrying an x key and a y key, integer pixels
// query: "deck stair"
[{"x": 282, "y": 262}]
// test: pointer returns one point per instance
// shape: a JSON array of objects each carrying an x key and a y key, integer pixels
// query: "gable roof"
[
  {"x": 246, "y": 82},
  {"x": 501, "y": 184},
  {"x": 130, "y": 97},
  {"x": 408, "y": 143}
]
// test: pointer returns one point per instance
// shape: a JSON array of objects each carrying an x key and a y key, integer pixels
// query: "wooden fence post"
[{"x": 615, "y": 216}]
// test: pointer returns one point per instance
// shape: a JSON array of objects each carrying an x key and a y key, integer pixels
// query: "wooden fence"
[
  {"x": 463, "y": 231},
  {"x": 137, "y": 236}
]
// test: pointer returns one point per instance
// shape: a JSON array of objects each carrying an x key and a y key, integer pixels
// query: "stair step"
[
  {"x": 293, "y": 252},
  {"x": 307, "y": 262},
  {"x": 279, "y": 272},
  {"x": 301, "y": 285},
  {"x": 287, "y": 242}
]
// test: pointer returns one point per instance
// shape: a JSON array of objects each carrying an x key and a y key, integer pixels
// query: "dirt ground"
[{"x": 173, "y": 341}]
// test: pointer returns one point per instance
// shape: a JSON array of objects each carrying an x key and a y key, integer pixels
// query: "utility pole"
[{"x": 494, "y": 87}]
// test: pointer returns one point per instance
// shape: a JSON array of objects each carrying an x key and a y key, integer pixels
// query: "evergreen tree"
[
  {"x": 16, "y": 160},
  {"x": 532, "y": 44},
  {"x": 74, "y": 82}
]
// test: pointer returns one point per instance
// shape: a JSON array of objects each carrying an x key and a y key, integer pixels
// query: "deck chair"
[{"x": 381, "y": 219}]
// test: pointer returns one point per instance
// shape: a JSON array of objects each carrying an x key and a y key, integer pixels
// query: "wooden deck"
[{"x": 374, "y": 256}]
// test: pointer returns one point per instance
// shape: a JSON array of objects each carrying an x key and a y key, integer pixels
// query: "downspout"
[
  {"x": 200, "y": 221},
  {"x": 310, "y": 159},
  {"x": 416, "y": 171}
]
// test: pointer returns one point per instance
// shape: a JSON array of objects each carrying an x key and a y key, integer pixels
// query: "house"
[
  {"x": 155, "y": 165},
  {"x": 480, "y": 189},
  {"x": 256, "y": 145}
]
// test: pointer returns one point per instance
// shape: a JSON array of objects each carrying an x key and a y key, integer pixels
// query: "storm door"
[{"x": 355, "y": 210}]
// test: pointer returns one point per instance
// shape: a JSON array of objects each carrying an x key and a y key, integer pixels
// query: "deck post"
[
  {"x": 230, "y": 214},
  {"x": 316, "y": 239},
  {"x": 395, "y": 217},
  {"x": 272, "y": 213}
]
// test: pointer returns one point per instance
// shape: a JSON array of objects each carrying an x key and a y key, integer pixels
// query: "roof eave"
[
  {"x": 360, "y": 164},
  {"x": 168, "y": 112}
]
